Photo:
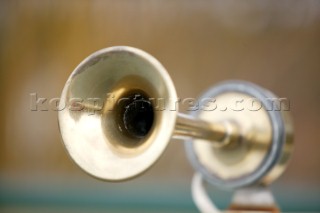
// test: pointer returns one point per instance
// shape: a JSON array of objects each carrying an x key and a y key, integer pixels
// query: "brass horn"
[{"x": 123, "y": 111}]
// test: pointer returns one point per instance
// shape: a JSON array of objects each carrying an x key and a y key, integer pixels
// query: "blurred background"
[{"x": 275, "y": 44}]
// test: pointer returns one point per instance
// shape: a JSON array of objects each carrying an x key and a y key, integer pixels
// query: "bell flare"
[{"x": 119, "y": 113}]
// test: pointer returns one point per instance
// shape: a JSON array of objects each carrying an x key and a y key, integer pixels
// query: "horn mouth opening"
[
  {"x": 130, "y": 122},
  {"x": 127, "y": 113},
  {"x": 136, "y": 115}
]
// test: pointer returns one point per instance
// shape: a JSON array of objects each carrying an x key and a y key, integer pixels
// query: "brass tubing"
[{"x": 219, "y": 134}]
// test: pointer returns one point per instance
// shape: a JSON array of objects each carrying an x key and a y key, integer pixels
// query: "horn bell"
[{"x": 113, "y": 123}]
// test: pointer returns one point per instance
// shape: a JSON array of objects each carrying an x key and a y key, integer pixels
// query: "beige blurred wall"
[{"x": 276, "y": 45}]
